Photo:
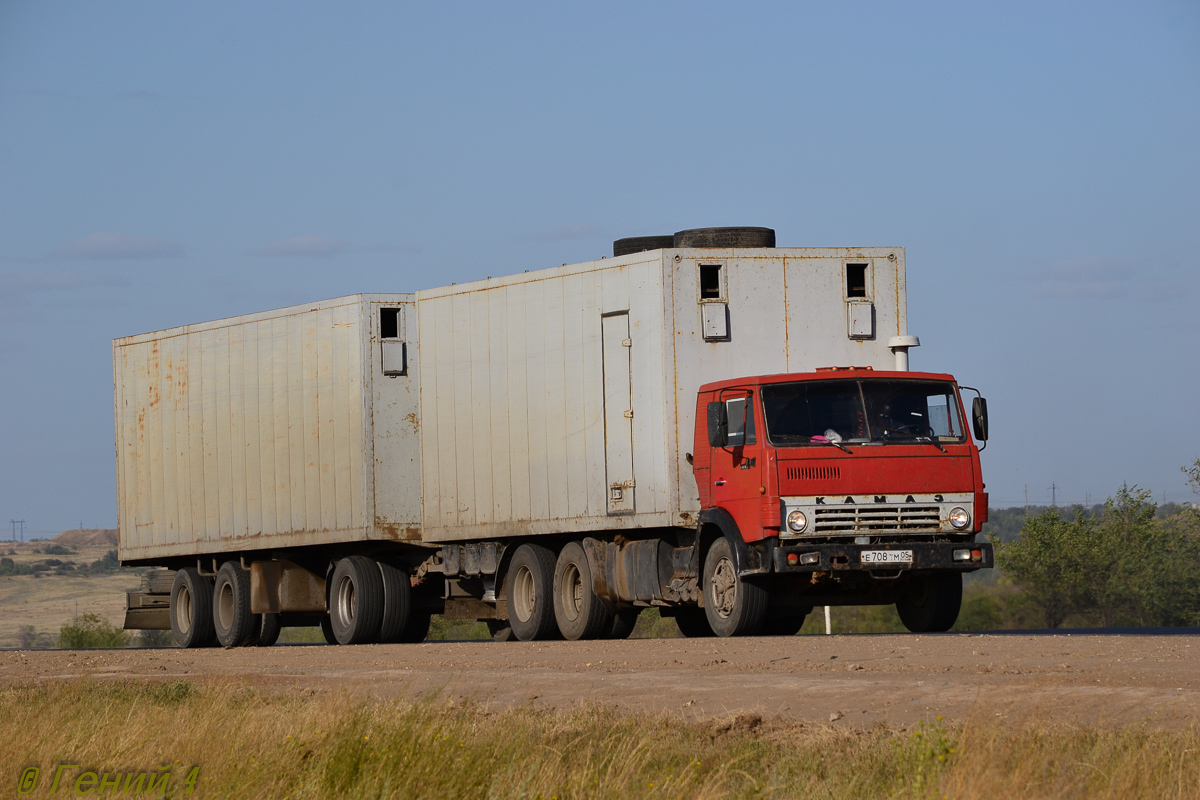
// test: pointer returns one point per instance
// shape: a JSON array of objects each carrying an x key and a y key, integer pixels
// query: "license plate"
[{"x": 886, "y": 556}]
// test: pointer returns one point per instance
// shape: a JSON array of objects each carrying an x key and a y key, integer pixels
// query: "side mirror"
[
  {"x": 718, "y": 425},
  {"x": 979, "y": 419}
]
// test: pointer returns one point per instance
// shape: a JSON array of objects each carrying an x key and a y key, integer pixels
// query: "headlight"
[
  {"x": 797, "y": 521},
  {"x": 959, "y": 518}
]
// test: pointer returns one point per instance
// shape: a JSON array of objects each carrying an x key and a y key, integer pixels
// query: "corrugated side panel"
[
  {"x": 512, "y": 401},
  {"x": 244, "y": 433},
  {"x": 787, "y": 313}
]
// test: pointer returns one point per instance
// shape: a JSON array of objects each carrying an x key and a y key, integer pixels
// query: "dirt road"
[{"x": 853, "y": 680}]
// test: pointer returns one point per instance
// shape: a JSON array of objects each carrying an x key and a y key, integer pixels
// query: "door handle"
[{"x": 720, "y": 483}]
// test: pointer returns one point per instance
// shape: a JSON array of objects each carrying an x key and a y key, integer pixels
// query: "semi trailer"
[{"x": 704, "y": 423}]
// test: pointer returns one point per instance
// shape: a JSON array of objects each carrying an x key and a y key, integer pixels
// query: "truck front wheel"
[
  {"x": 530, "y": 593},
  {"x": 733, "y": 606},
  {"x": 191, "y": 609},
  {"x": 930, "y": 604}
]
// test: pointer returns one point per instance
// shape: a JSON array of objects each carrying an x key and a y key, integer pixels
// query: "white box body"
[{"x": 265, "y": 431}]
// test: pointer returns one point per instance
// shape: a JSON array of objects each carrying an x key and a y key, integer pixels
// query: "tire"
[
  {"x": 356, "y": 601},
  {"x": 623, "y": 623},
  {"x": 397, "y": 604},
  {"x": 788, "y": 625},
  {"x": 528, "y": 588},
  {"x": 268, "y": 631},
  {"x": 640, "y": 244},
  {"x": 693, "y": 623},
  {"x": 931, "y": 603},
  {"x": 733, "y": 606},
  {"x": 417, "y": 628},
  {"x": 726, "y": 237},
  {"x": 500, "y": 629},
  {"x": 327, "y": 630},
  {"x": 191, "y": 609},
  {"x": 234, "y": 623},
  {"x": 579, "y": 612}
]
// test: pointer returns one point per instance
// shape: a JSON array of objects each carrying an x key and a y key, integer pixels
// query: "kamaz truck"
[{"x": 703, "y": 423}]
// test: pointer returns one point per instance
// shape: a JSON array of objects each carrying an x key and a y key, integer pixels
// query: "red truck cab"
[{"x": 846, "y": 470}]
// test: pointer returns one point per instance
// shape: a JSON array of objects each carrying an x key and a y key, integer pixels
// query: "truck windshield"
[{"x": 861, "y": 411}]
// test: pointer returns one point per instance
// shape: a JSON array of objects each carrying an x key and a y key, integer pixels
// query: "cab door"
[{"x": 735, "y": 469}]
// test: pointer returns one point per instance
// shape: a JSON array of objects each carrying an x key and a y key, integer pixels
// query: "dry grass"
[{"x": 254, "y": 744}]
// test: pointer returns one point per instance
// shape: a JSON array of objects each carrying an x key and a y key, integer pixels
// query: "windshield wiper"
[
  {"x": 932, "y": 442},
  {"x": 838, "y": 445}
]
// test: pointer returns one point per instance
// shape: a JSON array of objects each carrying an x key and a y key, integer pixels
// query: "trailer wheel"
[
  {"x": 327, "y": 630},
  {"x": 623, "y": 623},
  {"x": 500, "y": 630},
  {"x": 397, "y": 604},
  {"x": 268, "y": 632},
  {"x": 235, "y": 625},
  {"x": 191, "y": 609},
  {"x": 931, "y": 603},
  {"x": 579, "y": 612},
  {"x": 356, "y": 601},
  {"x": 734, "y": 607},
  {"x": 529, "y": 589}
]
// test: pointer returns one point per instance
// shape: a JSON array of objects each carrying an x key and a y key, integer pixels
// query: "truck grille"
[
  {"x": 868, "y": 519},
  {"x": 814, "y": 473}
]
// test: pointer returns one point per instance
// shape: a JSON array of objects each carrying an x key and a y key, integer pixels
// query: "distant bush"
[
  {"x": 10, "y": 567},
  {"x": 1124, "y": 565},
  {"x": 91, "y": 630},
  {"x": 108, "y": 563},
  {"x": 57, "y": 550}
]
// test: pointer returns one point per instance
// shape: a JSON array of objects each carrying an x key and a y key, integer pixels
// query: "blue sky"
[{"x": 169, "y": 163}]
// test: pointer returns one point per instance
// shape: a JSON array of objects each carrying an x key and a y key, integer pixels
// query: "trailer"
[{"x": 524, "y": 450}]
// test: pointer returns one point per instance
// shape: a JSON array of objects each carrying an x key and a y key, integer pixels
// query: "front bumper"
[{"x": 926, "y": 557}]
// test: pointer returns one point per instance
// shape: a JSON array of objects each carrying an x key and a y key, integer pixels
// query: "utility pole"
[
  {"x": 15, "y": 523},
  {"x": 1054, "y": 495},
  {"x": 1027, "y": 499}
]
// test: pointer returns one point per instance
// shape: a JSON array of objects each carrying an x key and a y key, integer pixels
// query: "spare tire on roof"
[
  {"x": 638, "y": 244},
  {"x": 726, "y": 237}
]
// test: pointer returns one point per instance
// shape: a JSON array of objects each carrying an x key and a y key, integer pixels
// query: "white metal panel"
[{"x": 255, "y": 432}]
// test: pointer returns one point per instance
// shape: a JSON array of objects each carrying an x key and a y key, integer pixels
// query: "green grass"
[{"x": 257, "y": 744}]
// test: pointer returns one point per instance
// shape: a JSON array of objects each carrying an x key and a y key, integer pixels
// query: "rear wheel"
[
  {"x": 733, "y": 606},
  {"x": 235, "y": 624},
  {"x": 623, "y": 623},
  {"x": 417, "y": 628},
  {"x": 327, "y": 630},
  {"x": 191, "y": 609},
  {"x": 931, "y": 603},
  {"x": 788, "y": 625},
  {"x": 268, "y": 632},
  {"x": 356, "y": 601},
  {"x": 579, "y": 612},
  {"x": 693, "y": 623},
  {"x": 397, "y": 604},
  {"x": 500, "y": 630},
  {"x": 529, "y": 590}
]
